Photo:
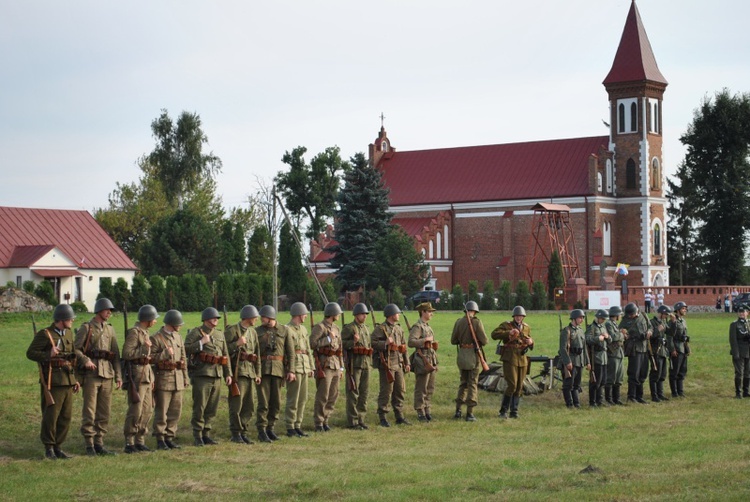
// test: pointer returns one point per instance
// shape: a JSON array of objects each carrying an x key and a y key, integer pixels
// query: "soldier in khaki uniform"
[
  {"x": 325, "y": 340},
  {"x": 391, "y": 360},
  {"x": 516, "y": 338},
  {"x": 468, "y": 358},
  {"x": 244, "y": 357},
  {"x": 296, "y": 390},
  {"x": 573, "y": 358},
  {"x": 100, "y": 372},
  {"x": 53, "y": 349},
  {"x": 137, "y": 355},
  {"x": 739, "y": 344},
  {"x": 209, "y": 361},
  {"x": 657, "y": 375},
  {"x": 424, "y": 361},
  {"x": 355, "y": 339},
  {"x": 597, "y": 339},
  {"x": 171, "y": 379},
  {"x": 277, "y": 361}
]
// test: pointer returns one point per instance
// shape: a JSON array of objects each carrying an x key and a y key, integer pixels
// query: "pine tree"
[
  {"x": 259, "y": 252},
  {"x": 292, "y": 275}
]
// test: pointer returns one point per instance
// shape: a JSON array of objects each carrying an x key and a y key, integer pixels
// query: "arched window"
[
  {"x": 610, "y": 176},
  {"x": 655, "y": 175},
  {"x": 630, "y": 174},
  {"x": 633, "y": 117},
  {"x": 432, "y": 250},
  {"x": 607, "y": 238},
  {"x": 657, "y": 240},
  {"x": 599, "y": 181},
  {"x": 445, "y": 235},
  {"x": 439, "y": 245},
  {"x": 384, "y": 146},
  {"x": 621, "y": 118}
]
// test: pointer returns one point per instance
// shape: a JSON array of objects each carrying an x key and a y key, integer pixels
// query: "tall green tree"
[
  {"x": 555, "y": 276},
  {"x": 260, "y": 252},
  {"x": 292, "y": 275},
  {"x": 398, "y": 263},
  {"x": 713, "y": 185},
  {"x": 362, "y": 219}
]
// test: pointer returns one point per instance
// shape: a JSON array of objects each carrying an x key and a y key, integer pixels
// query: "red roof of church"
[
  {"x": 412, "y": 226},
  {"x": 26, "y": 234},
  {"x": 536, "y": 169},
  {"x": 634, "y": 61}
]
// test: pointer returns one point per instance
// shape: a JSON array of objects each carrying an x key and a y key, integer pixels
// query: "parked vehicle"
[
  {"x": 428, "y": 295},
  {"x": 741, "y": 299}
]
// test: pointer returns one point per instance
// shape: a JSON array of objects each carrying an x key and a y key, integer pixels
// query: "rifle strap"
[{"x": 88, "y": 339}]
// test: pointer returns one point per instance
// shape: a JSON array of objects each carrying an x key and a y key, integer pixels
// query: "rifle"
[
  {"x": 480, "y": 351},
  {"x": 234, "y": 389},
  {"x": 46, "y": 382},
  {"x": 566, "y": 371},
  {"x": 649, "y": 348},
  {"x": 348, "y": 361},
  {"x": 319, "y": 373},
  {"x": 383, "y": 361},
  {"x": 132, "y": 389}
]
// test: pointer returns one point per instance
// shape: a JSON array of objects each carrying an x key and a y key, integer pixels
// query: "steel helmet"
[
  {"x": 360, "y": 308},
  {"x": 601, "y": 314},
  {"x": 519, "y": 310},
  {"x": 471, "y": 306},
  {"x": 173, "y": 318},
  {"x": 298, "y": 308},
  {"x": 210, "y": 313},
  {"x": 631, "y": 308},
  {"x": 147, "y": 313},
  {"x": 615, "y": 311},
  {"x": 103, "y": 304},
  {"x": 332, "y": 309},
  {"x": 391, "y": 309},
  {"x": 680, "y": 305},
  {"x": 575, "y": 314},
  {"x": 249, "y": 312},
  {"x": 664, "y": 309},
  {"x": 63, "y": 312},
  {"x": 268, "y": 311}
]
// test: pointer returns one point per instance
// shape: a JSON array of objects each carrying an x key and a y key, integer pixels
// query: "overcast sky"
[{"x": 82, "y": 80}]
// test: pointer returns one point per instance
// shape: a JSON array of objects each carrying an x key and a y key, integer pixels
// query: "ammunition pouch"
[
  {"x": 575, "y": 351},
  {"x": 167, "y": 365},
  {"x": 141, "y": 361},
  {"x": 211, "y": 359},
  {"x": 397, "y": 348},
  {"x": 249, "y": 357},
  {"x": 57, "y": 362},
  {"x": 362, "y": 351},
  {"x": 272, "y": 358},
  {"x": 101, "y": 354},
  {"x": 431, "y": 345},
  {"x": 328, "y": 352}
]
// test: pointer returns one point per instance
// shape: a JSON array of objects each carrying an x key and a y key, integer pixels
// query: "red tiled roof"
[
  {"x": 412, "y": 226},
  {"x": 634, "y": 61},
  {"x": 554, "y": 168},
  {"x": 75, "y": 233},
  {"x": 26, "y": 256}
]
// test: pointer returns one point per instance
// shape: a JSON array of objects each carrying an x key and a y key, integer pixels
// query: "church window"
[
  {"x": 445, "y": 234},
  {"x": 599, "y": 181},
  {"x": 630, "y": 174},
  {"x": 607, "y": 238},
  {"x": 384, "y": 146},
  {"x": 621, "y": 118},
  {"x": 439, "y": 245},
  {"x": 633, "y": 117},
  {"x": 610, "y": 176},
  {"x": 657, "y": 240},
  {"x": 432, "y": 250},
  {"x": 655, "y": 174},
  {"x": 654, "y": 112},
  {"x": 627, "y": 115}
]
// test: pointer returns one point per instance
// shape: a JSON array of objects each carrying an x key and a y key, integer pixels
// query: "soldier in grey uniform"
[
  {"x": 636, "y": 348},
  {"x": 171, "y": 379},
  {"x": 573, "y": 358},
  {"x": 244, "y": 359},
  {"x": 136, "y": 351},
  {"x": 739, "y": 343},
  {"x": 100, "y": 372},
  {"x": 53, "y": 349},
  {"x": 355, "y": 339},
  {"x": 597, "y": 339},
  {"x": 658, "y": 341},
  {"x": 678, "y": 345},
  {"x": 209, "y": 356},
  {"x": 296, "y": 390},
  {"x": 615, "y": 354},
  {"x": 424, "y": 361},
  {"x": 468, "y": 359},
  {"x": 393, "y": 364},
  {"x": 325, "y": 340}
]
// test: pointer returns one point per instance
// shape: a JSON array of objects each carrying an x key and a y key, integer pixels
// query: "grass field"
[{"x": 697, "y": 448}]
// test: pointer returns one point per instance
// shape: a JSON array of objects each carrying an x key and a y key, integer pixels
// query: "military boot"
[
  {"x": 639, "y": 394},
  {"x": 600, "y": 397},
  {"x": 660, "y": 391},
  {"x": 49, "y": 453},
  {"x": 737, "y": 388},
  {"x": 236, "y": 438},
  {"x": 514, "y": 402},
  {"x": 631, "y": 392},
  {"x": 470, "y": 414},
  {"x": 616, "y": 395},
  {"x": 262, "y": 436},
  {"x": 457, "y": 415},
  {"x": 504, "y": 407},
  {"x": 574, "y": 396},
  {"x": 592, "y": 396},
  {"x": 420, "y": 416},
  {"x": 679, "y": 384},
  {"x": 161, "y": 445},
  {"x": 654, "y": 392},
  {"x": 567, "y": 395},
  {"x": 271, "y": 434},
  {"x": 673, "y": 387},
  {"x": 746, "y": 387},
  {"x": 608, "y": 394},
  {"x": 427, "y": 414}
]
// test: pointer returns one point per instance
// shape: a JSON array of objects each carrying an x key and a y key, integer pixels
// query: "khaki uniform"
[
  {"x": 598, "y": 354},
  {"x": 245, "y": 363},
  {"x": 358, "y": 363},
  {"x": 469, "y": 365},
  {"x": 138, "y": 358},
  {"x": 325, "y": 340},
  {"x": 296, "y": 392},
  {"x": 98, "y": 344},
  {"x": 277, "y": 359},
  {"x": 424, "y": 363},
  {"x": 515, "y": 361},
  {"x": 739, "y": 344},
  {"x": 60, "y": 375},
  {"x": 170, "y": 380},
  {"x": 209, "y": 366},
  {"x": 390, "y": 358}
]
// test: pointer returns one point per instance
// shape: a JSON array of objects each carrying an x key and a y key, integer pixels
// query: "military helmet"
[
  {"x": 664, "y": 309},
  {"x": 103, "y": 304},
  {"x": 173, "y": 318},
  {"x": 743, "y": 308},
  {"x": 519, "y": 310},
  {"x": 631, "y": 308},
  {"x": 575, "y": 314},
  {"x": 268, "y": 311},
  {"x": 615, "y": 310},
  {"x": 360, "y": 308},
  {"x": 249, "y": 312},
  {"x": 298, "y": 308},
  {"x": 332, "y": 309},
  {"x": 210, "y": 313},
  {"x": 391, "y": 309},
  {"x": 680, "y": 305},
  {"x": 601, "y": 314},
  {"x": 63, "y": 312},
  {"x": 471, "y": 306},
  {"x": 147, "y": 313}
]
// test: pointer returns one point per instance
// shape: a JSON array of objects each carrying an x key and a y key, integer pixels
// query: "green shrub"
[{"x": 79, "y": 307}]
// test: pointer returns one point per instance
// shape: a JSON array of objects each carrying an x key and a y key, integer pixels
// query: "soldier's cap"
[
  {"x": 743, "y": 308},
  {"x": 426, "y": 306}
]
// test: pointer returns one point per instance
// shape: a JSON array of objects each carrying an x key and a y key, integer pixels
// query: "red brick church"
[{"x": 496, "y": 211}]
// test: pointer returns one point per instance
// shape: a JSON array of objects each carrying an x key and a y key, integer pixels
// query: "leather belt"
[{"x": 272, "y": 358}]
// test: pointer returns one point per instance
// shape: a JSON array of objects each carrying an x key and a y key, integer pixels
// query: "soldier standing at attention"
[
  {"x": 209, "y": 354},
  {"x": 296, "y": 390},
  {"x": 53, "y": 349},
  {"x": 739, "y": 343},
  {"x": 573, "y": 358},
  {"x": 469, "y": 364},
  {"x": 597, "y": 339},
  {"x": 277, "y": 361},
  {"x": 658, "y": 341},
  {"x": 136, "y": 351},
  {"x": 100, "y": 369},
  {"x": 388, "y": 341},
  {"x": 325, "y": 340},
  {"x": 636, "y": 348},
  {"x": 678, "y": 345},
  {"x": 516, "y": 338},
  {"x": 171, "y": 379},
  {"x": 244, "y": 359},
  {"x": 424, "y": 361},
  {"x": 355, "y": 339},
  {"x": 615, "y": 353}
]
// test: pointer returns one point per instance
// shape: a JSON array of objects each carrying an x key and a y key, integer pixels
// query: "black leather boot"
[
  {"x": 608, "y": 394},
  {"x": 660, "y": 391},
  {"x": 616, "y": 395},
  {"x": 504, "y": 407},
  {"x": 654, "y": 392},
  {"x": 262, "y": 436},
  {"x": 514, "y": 402}
]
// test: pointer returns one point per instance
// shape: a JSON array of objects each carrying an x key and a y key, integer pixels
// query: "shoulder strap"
[{"x": 88, "y": 339}]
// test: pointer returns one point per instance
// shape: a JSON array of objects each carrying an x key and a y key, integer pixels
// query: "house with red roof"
[
  {"x": 67, "y": 248},
  {"x": 479, "y": 210}
]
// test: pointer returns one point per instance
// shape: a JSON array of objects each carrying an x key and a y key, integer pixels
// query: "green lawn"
[{"x": 697, "y": 448}]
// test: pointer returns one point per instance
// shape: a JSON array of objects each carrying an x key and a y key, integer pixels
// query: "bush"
[
  {"x": 79, "y": 307},
  {"x": 173, "y": 292},
  {"x": 29, "y": 286},
  {"x": 46, "y": 292},
  {"x": 504, "y": 297},
  {"x": 539, "y": 296},
  {"x": 488, "y": 296},
  {"x": 397, "y": 297},
  {"x": 379, "y": 298},
  {"x": 10, "y": 285},
  {"x": 157, "y": 294},
  {"x": 445, "y": 300},
  {"x": 106, "y": 290},
  {"x": 473, "y": 294},
  {"x": 139, "y": 291},
  {"x": 122, "y": 294}
]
